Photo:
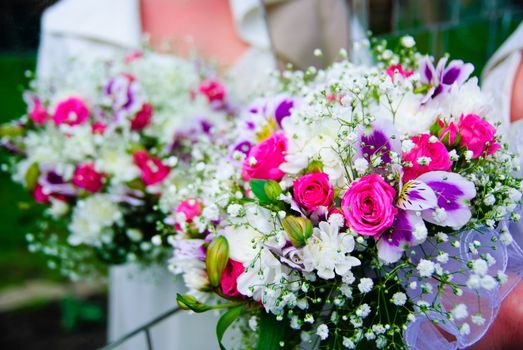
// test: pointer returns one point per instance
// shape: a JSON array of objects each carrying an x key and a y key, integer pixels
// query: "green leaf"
[
  {"x": 258, "y": 188},
  {"x": 435, "y": 129},
  {"x": 188, "y": 302},
  {"x": 271, "y": 332},
  {"x": 225, "y": 322},
  {"x": 11, "y": 131},
  {"x": 31, "y": 176}
]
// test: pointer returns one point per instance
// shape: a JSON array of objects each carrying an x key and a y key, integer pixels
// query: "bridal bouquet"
[
  {"x": 96, "y": 148},
  {"x": 368, "y": 207}
]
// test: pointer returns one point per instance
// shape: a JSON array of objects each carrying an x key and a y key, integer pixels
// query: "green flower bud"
[
  {"x": 272, "y": 190},
  {"x": 315, "y": 166},
  {"x": 10, "y": 130},
  {"x": 188, "y": 302},
  {"x": 217, "y": 258},
  {"x": 31, "y": 176},
  {"x": 298, "y": 229}
]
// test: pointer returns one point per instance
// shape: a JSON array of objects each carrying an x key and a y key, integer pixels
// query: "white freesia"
[{"x": 328, "y": 251}]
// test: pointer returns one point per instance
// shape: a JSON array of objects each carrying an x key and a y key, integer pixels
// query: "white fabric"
[
  {"x": 86, "y": 29},
  {"x": 250, "y": 23},
  {"x": 498, "y": 79},
  {"x": 89, "y": 29}
]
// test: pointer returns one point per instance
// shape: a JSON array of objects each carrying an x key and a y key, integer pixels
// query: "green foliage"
[
  {"x": 225, "y": 322},
  {"x": 271, "y": 332},
  {"x": 188, "y": 302},
  {"x": 75, "y": 311},
  {"x": 267, "y": 191}
]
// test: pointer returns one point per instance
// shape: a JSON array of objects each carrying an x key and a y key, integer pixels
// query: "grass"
[{"x": 16, "y": 262}]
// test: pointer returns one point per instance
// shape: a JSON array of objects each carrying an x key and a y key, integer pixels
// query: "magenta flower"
[
  {"x": 98, "y": 128},
  {"x": 264, "y": 159},
  {"x": 448, "y": 133},
  {"x": 72, "y": 111},
  {"x": 191, "y": 208},
  {"x": 152, "y": 169},
  {"x": 313, "y": 190},
  {"x": 398, "y": 69},
  {"x": 428, "y": 154},
  {"x": 143, "y": 117},
  {"x": 35, "y": 109},
  {"x": 86, "y": 177},
  {"x": 368, "y": 205},
  {"x": 228, "y": 282},
  {"x": 477, "y": 135},
  {"x": 213, "y": 90}
]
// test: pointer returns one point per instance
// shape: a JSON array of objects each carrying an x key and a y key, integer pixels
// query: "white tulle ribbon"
[{"x": 423, "y": 334}]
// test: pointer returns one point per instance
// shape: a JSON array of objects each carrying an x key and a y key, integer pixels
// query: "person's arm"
[
  {"x": 516, "y": 105},
  {"x": 506, "y": 333},
  {"x": 209, "y": 23}
]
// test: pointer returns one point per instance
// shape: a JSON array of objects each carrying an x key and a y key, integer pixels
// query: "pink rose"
[
  {"x": 313, "y": 190},
  {"x": 476, "y": 133},
  {"x": 71, "y": 111},
  {"x": 264, "y": 159},
  {"x": 428, "y": 154},
  {"x": 86, "y": 177},
  {"x": 213, "y": 90},
  {"x": 98, "y": 128},
  {"x": 143, "y": 117},
  {"x": 38, "y": 113},
  {"x": 191, "y": 208},
  {"x": 228, "y": 282},
  {"x": 398, "y": 68},
  {"x": 448, "y": 132},
  {"x": 153, "y": 170},
  {"x": 368, "y": 205}
]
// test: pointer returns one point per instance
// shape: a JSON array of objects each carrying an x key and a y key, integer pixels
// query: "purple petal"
[
  {"x": 438, "y": 90},
  {"x": 428, "y": 72},
  {"x": 375, "y": 143},
  {"x": 453, "y": 192},
  {"x": 416, "y": 195},
  {"x": 189, "y": 249},
  {"x": 451, "y": 75},
  {"x": 392, "y": 244},
  {"x": 440, "y": 68},
  {"x": 244, "y": 147},
  {"x": 387, "y": 253},
  {"x": 283, "y": 110},
  {"x": 457, "y": 72},
  {"x": 206, "y": 126},
  {"x": 402, "y": 228}
]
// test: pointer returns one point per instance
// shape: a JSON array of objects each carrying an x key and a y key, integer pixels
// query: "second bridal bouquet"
[
  {"x": 371, "y": 208},
  {"x": 97, "y": 146}
]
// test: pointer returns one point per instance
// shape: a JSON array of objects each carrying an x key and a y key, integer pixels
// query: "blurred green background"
[{"x": 19, "y": 28}]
